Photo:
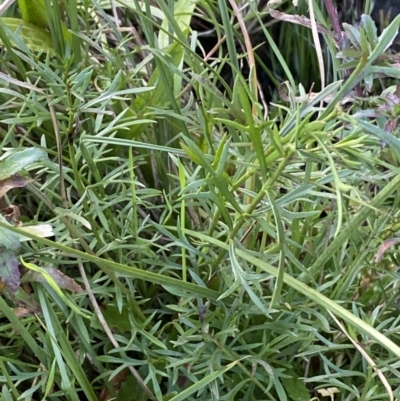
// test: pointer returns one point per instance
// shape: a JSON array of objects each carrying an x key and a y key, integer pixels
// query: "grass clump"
[{"x": 173, "y": 229}]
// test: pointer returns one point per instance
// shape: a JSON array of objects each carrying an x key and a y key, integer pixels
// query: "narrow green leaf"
[
  {"x": 363, "y": 67},
  {"x": 281, "y": 242},
  {"x": 51, "y": 280},
  {"x": 182, "y": 396},
  {"x": 240, "y": 277},
  {"x": 128, "y": 271},
  {"x": 25, "y": 334},
  {"x": 348, "y": 229},
  {"x": 309, "y": 292}
]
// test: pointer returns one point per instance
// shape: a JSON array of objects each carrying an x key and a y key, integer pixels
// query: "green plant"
[{"x": 206, "y": 244}]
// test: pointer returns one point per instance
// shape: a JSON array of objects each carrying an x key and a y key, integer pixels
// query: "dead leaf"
[
  {"x": 364, "y": 353},
  {"x": 15, "y": 181},
  {"x": 21, "y": 299},
  {"x": 40, "y": 230},
  {"x": 299, "y": 20},
  {"x": 9, "y": 270},
  {"x": 328, "y": 392},
  {"x": 12, "y": 214},
  {"x": 21, "y": 312},
  {"x": 311, "y": 95},
  {"x": 116, "y": 381},
  {"x": 384, "y": 247},
  {"x": 61, "y": 279}
]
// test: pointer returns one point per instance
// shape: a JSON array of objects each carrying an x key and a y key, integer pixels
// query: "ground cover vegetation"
[{"x": 199, "y": 200}]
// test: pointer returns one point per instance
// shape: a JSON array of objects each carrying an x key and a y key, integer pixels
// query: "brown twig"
[{"x": 333, "y": 15}]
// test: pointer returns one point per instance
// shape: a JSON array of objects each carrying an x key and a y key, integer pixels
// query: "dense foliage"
[{"x": 199, "y": 201}]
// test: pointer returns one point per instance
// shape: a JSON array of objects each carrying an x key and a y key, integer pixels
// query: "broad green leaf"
[
  {"x": 167, "y": 77},
  {"x": 131, "y": 4},
  {"x": 34, "y": 11},
  {"x": 296, "y": 389},
  {"x": 8, "y": 239},
  {"x": 19, "y": 160},
  {"x": 35, "y": 38},
  {"x": 183, "y": 11}
]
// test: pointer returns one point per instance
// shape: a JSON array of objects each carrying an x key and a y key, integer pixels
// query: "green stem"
[
  {"x": 258, "y": 198},
  {"x": 345, "y": 234}
]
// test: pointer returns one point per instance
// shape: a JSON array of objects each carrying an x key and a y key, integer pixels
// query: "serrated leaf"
[
  {"x": 353, "y": 34},
  {"x": 19, "y": 160},
  {"x": 9, "y": 271}
]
